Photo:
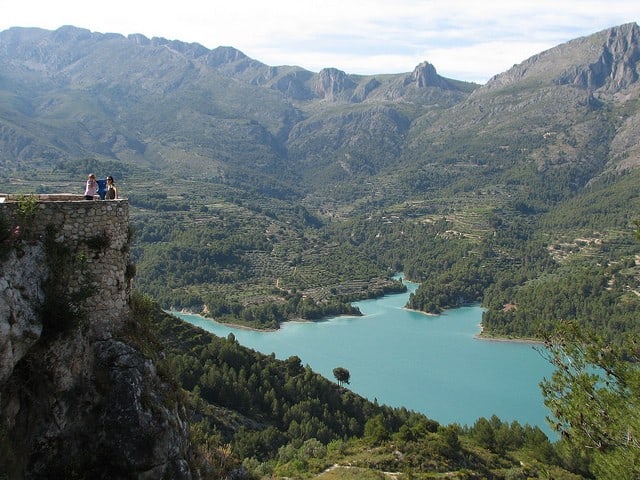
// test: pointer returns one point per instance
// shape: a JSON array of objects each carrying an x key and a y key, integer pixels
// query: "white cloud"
[{"x": 463, "y": 39}]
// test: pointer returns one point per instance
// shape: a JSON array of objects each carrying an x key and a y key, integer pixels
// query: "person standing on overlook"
[
  {"x": 91, "y": 187},
  {"x": 112, "y": 191}
]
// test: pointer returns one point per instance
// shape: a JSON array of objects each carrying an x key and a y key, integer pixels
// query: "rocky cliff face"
[
  {"x": 331, "y": 83},
  {"x": 20, "y": 291},
  {"x": 615, "y": 66},
  {"x": 79, "y": 398},
  {"x": 606, "y": 61}
]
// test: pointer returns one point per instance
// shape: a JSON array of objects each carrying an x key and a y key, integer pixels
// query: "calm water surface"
[{"x": 430, "y": 364}]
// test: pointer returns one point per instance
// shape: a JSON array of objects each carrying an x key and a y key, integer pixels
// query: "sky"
[{"x": 469, "y": 40}]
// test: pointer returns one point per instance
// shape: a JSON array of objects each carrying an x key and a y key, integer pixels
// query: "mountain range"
[
  {"x": 183, "y": 109},
  {"x": 177, "y": 118}
]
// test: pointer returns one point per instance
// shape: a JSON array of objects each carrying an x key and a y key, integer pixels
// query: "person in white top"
[{"x": 91, "y": 188}]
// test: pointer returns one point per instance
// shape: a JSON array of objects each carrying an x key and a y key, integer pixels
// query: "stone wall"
[{"x": 96, "y": 235}]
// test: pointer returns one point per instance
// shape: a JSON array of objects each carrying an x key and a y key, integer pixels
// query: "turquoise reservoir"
[{"x": 430, "y": 364}]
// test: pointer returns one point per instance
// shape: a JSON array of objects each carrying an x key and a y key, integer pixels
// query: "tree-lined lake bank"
[{"x": 432, "y": 364}]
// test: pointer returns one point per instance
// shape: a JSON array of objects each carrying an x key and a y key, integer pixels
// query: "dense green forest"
[{"x": 261, "y": 262}]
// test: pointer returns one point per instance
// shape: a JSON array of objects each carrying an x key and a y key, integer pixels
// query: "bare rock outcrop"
[
  {"x": 21, "y": 277},
  {"x": 616, "y": 65},
  {"x": 332, "y": 83},
  {"x": 606, "y": 61},
  {"x": 425, "y": 75},
  {"x": 80, "y": 396}
]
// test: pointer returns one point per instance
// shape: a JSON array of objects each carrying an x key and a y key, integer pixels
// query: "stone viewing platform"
[
  {"x": 94, "y": 233},
  {"x": 78, "y": 375},
  {"x": 45, "y": 197}
]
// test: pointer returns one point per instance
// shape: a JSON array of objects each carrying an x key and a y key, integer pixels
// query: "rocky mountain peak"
[
  {"x": 605, "y": 61},
  {"x": 331, "y": 82},
  {"x": 616, "y": 65},
  {"x": 69, "y": 33},
  {"x": 222, "y": 55},
  {"x": 425, "y": 75}
]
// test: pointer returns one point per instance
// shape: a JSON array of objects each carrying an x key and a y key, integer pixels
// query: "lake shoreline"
[
  {"x": 479, "y": 336},
  {"x": 175, "y": 313},
  {"x": 484, "y": 336},
  {"x": 495, "y": 338},
  {"x": 487, "y": 338}
]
